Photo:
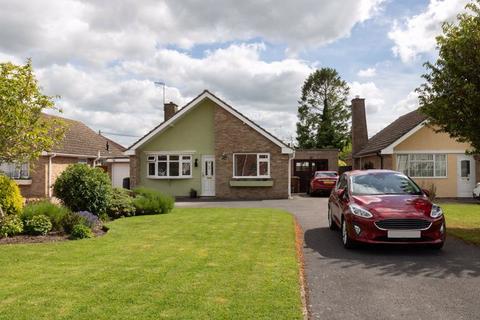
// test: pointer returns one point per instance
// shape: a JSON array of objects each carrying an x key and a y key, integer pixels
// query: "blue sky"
[{"x": 103, "y": 57}]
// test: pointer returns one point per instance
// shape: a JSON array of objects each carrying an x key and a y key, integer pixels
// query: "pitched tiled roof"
[
  {"x": 206, "y": 92},
  {"x": 392, "y": 132},
  {"x": 81, "y": 140}
]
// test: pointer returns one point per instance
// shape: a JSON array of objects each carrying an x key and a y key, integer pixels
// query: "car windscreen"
[
  {"x": 383, "y": 183},
  {"x": 326, "y": 174}
]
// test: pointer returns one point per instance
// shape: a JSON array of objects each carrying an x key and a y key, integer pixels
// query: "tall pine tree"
[{"x": 323, "y": 112}]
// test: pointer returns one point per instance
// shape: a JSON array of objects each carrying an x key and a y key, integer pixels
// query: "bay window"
[
  {"x": 251, "y": 165},
  {"x": 423, "y": 165},
  {"x": 15, "y": 170},
  {"x": 169, "y": 166}
]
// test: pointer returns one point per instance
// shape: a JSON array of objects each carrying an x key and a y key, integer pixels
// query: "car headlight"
[
  {"x": 436, "y": 211},
  {"x": 359, "y": 211}
]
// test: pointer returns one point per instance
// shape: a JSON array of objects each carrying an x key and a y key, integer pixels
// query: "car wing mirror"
[
  {"x": 427, "y": 193},
  {"x": 340, "y": 193}
]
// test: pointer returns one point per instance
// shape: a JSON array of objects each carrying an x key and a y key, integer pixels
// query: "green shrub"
[
  {"x": 10, "y": 225},
  {"x": 82, "y": 188},
  {"x": 121, "y": 204},
  {"x": 81, "y": 231},
  {"x": 148, "y": 201},
  {"x": 38, "y": 225},
  {"x": 56, "y": 213},
  {"x": 71, "y": 220},
  {"x": 11, "y": 201}
]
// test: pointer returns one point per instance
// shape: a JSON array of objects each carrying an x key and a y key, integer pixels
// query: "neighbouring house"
[
  {"x": 410, "y": 146},
  {"x": 307, "y": 161},
  {"x": 80, "y": 145},
  {"x": 211, "y": 148}
]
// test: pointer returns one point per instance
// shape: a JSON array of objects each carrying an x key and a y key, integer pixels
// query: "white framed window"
[
  {"x": 423, "y": 165},
  {"x": 169, "y": 166},
  {"x": 251, "y": 165},
  {"x": 82, "y": 160},
  {"x": 16, "y": 170}
]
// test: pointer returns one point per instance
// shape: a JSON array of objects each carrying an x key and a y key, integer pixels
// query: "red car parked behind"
[
  {"x": 323, "y": 182},
  {"x": 383, "y": 206}
]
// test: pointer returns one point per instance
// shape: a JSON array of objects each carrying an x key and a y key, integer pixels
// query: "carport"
[{"x": 307, "y": 161}]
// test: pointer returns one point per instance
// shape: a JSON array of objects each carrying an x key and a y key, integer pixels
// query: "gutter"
[{"x": 49, "y": 183}]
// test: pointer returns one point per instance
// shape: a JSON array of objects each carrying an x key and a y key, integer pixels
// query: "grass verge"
[
  {"x": 463, "y": 221},
  {"x": 190, "y": 264}
]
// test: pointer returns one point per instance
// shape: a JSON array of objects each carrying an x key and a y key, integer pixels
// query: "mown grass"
[
  {"x": 190, "y": 264},
  {"x": 463, "y": 221}
]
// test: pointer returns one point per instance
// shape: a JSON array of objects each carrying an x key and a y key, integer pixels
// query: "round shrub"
[
  {"x": 11, "y": 201},
  {"x": 38, "y": 225},
  {"x": 10, "y": 225},
  {"x": 82, "y": 188},
  {"x": 71, "y": 220},
  {"x": 121, "y": 204},
  {"x": 56, "y": 213},
  {"x": 81, "y": 231}
]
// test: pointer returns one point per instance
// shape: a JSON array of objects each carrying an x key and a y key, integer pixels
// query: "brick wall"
[
  {"x": 232, "y": 136},
  {"x": 134, "y": 171},
  {"x": 39, "y": 175}
]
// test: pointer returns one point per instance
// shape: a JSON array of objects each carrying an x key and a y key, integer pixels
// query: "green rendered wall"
[{"x": 195, "y": 132}]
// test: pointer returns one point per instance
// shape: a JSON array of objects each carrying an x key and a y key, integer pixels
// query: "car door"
[{"x": 336, "y": 203}]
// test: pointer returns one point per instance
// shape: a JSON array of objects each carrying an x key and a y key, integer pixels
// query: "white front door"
[
  {"x": 465, "y": 175},
  {"x": 208, "y": 176}
]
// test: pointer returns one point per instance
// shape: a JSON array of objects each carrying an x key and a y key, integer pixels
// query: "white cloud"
[
  {"x": 374, "y": 98},
  {"x": 416, "y": 35},
  {"x": 408, "y": 104},
  {"x": 98, "y": 32},
  {"x": 367, "y": 73},
  {"x": 124, "y": 99}
]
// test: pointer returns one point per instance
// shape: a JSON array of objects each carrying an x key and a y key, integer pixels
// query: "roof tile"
[{"x": 392, "y": 132}]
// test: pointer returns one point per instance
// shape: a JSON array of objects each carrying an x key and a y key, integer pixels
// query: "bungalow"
[
  {"x": 211, "y": 148},
  {"x": 410, "y": 146},
  {"x": 80, "y": 145}
]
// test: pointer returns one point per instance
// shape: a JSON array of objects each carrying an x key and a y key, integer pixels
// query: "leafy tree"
[
  {"x": 345, "y": 152},
  {"x": 451, "y": 95},
  {"x": 24, "y": 132},
  {"x": 323, "y": 112}
]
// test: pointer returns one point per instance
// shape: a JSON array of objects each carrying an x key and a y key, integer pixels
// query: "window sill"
[
  {"x": 251, "y": 183},
  {"x": 23, "y": 182},
  {"x": 168, "y": 178}
]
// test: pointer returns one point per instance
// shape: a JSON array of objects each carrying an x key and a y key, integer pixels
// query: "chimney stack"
[
  {"x": 169, "y": 110},
  {"x": 359, "y": 125}
]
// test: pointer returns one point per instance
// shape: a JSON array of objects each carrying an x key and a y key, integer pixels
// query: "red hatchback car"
[
  {"x": 323, "y": 182},
  {"x": 383, "y": 206}
]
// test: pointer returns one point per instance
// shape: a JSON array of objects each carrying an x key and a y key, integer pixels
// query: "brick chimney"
[
  {"x": 359, "y": 125},
  {"x": 169, "y": 110}
]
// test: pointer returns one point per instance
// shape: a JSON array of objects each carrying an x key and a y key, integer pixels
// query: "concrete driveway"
[{"x": 378, "y": 282}]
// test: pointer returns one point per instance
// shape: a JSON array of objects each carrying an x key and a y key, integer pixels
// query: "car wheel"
[
  {"x": 347, "y": 241},
  {"x": 331, "y": 223}
]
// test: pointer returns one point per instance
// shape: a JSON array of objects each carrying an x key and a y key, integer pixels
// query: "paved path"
[{"x": 379, "y": 282}]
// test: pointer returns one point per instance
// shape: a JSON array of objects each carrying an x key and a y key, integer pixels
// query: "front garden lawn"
[
  {"x": 463, "y": 221},
  {"x": 189, "y": 264}
]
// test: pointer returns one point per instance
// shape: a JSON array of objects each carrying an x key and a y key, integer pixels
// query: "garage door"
[{"x": 119, "y": 172}]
